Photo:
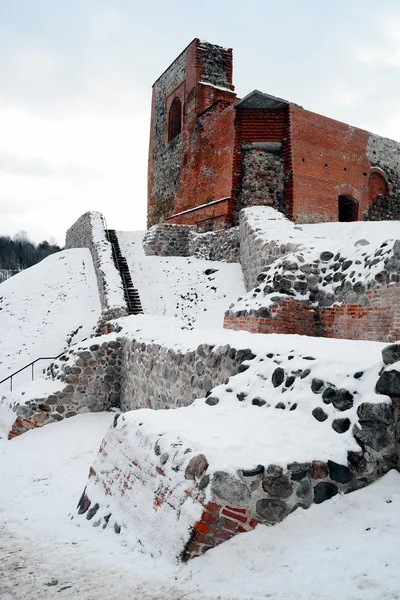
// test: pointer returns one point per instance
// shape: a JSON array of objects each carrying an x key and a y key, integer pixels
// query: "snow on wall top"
[
  {"x": 112, "y": 280},
  {"x": 88, "y": 232},
  {"x": 264, "y": 414},
  {"x": 325, "y": 270}
]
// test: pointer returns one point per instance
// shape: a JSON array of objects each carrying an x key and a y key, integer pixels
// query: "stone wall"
[
  {"x": 167, "y": 240},
  {"x": 88, "y": 232},
  {"x": 183, "y": 240},
  {"x": 204, "y": 507},
  {"x": 157, "y": 377},
  {"x": 331, "y": 296},
  {"x": 256, "y": 253},
  {"x": 121, "y": 372},
  {"x": 92, "y": 378},
  {"x": 164, "y": 156},
  {"x": 385, "y": 154},
  {"x": 263, "y": 177}
]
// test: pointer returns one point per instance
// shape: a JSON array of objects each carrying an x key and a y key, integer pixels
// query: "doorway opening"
[{"x": 348, "y": 209}]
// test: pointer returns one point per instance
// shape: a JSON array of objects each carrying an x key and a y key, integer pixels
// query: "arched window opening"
[
  {"x": 378, "y": 186},
  {"x": 175, "y": 119},
  {"x": 348, "y": 209}
]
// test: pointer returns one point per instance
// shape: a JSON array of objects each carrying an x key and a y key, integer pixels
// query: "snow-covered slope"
[
  {"x": 197, "y": 291},
  {"x": 44, "y": 308},
  {"x": 346, "y": 548}
]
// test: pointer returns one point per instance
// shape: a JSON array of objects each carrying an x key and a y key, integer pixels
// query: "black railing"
[{"x": 31, "y": 364}]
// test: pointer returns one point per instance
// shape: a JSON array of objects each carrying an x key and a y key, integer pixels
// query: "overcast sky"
[{"x": 76, "y": 77}]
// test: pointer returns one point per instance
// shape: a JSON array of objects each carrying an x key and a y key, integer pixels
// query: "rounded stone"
[
  {"x": 271, "y": 510},
  {"x": 319, "y": 414},
  {"x": 164, "y": 458},
  {"x": 317, "y": 385},
  {"x": 230, "y": 489},
  {"x": 326, "y": 256},
  {"x": 212, "y": 401},
  {"x": 258, "y": 402},
  {"x": 389, "y": 383},
  {"x": 339, "y": 473},
  {"x": 328, "y": 395},
  {"x": 277, "y": 486},
  {"x": 278, "y": 377},
  {"x": 304, "y": 490},
  {"x": 342, "y": 400},
  {"x": 196, "y": 467},
  {"x": 324, "y": 491},
  {"x": 341, "y": 425}
]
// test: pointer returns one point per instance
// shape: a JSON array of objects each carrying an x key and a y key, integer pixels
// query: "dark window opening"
[
  {"x": 175, "y": 119},
  {"x": 326, "y": 164},
  {"x": 348, "y": 209},
  {"x": 345, "y": 169},
  {"x": 303, "y": 160}
]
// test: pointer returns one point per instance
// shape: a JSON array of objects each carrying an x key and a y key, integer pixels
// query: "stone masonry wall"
[
  {"x": 263, "y": 178},
  {"x": 157, "y": 377},
  {"x": 255, "y": 252},
  {"x": 385, "y": 154},
  {"x": 88, "y": 232},
  {"x": 167, "y": 240},
  {"x": 229, "y": 503},
  {"x": 223, "y": 245},
  {"x": 91, "y": 375},
  {"x": 164, "y": 156},
  {"x": 183, "y": 240},
  {"x": 120, "y": 372},
  {"x": 332, "y": 296}
]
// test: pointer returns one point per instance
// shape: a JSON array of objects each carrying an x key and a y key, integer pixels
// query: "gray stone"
[
  {"x": 212, "y": 401},
  {"x": 341, "y": 425},
  {"x": 342, "y": 400},
  {"x": 304, "y": 490},
  {"x": 230, "y": 489},
  {"x": 380, "y": 412},
  {"x": 271, "y": 510},
  {"x": 391, "y": 354},
  {"x": 374, "y": 434},
  {"x": 389, "y": 383},
  {"x": 299, "y": 470},
  {"x": 278, "y": 377},
  {"x": 277, "y": 486},
  {"x": 339, "y": 473},
  {"x": 324, "y": 491},
  {"x": 196, "y": 467},
  {"x": 326, "y": 256},
  {"x": 319, "y": 414}
]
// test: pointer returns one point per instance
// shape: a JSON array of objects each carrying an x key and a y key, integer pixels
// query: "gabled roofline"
[{"x": 257, "y": 99}]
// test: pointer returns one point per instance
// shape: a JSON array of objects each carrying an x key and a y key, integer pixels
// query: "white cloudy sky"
[{"x": 76, "y": 76}]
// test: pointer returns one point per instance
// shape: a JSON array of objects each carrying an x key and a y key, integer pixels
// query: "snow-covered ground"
[
  {"x": 45, "y": 307},
  {"x": 346, "y": 548},
  {"x": 197, "y": 291}
]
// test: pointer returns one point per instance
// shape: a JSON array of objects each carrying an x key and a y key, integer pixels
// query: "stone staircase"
[{"x": 130, "y": 292}]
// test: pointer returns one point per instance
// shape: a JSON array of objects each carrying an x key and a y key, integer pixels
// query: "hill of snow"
[
  {"x": 44, "y": 308},
  {"x": 197, "y": 291}
]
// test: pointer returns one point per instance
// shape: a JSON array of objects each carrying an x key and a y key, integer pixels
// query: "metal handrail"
[{"x": 31, "y": 364}]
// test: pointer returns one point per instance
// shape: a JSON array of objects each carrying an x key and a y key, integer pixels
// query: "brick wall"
[
  {"x": 195, "y": 167},
  {"x": 378, "y": 320},
  {"x": 252, "y": 126},
  {"x": 329, "y": 159}
]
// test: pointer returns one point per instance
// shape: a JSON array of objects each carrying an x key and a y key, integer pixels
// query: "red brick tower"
[{"x": 192, "y": 139}]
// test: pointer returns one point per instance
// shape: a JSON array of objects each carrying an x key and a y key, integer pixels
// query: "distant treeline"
[{"x": 20, "y": 252}]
